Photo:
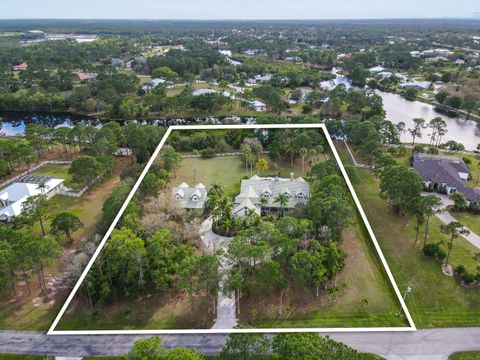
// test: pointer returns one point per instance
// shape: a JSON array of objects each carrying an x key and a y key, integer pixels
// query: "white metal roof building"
[{"x": 13, "y": 196}]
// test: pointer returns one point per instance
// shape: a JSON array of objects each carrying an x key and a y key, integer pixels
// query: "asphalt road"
[{"x": 423, "y": 344}]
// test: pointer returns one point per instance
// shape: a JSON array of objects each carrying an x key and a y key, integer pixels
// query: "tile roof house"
[
  {"x": 190, "y": 197},
  {"x": 86, "y": 77},
  {"x": 445, "y": 174},
  {"x": 13, "y": 196},
  {"x": 20, "y": 67},
  {"x": 268, "y": 188}
]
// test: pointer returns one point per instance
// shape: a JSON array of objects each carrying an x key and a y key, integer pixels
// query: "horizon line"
[{"x": 244, "y": 19}]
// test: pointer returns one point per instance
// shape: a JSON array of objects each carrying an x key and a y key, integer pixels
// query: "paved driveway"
[
  {"x": 447, "y": 218},
  {"x": 226, "y": 305}
]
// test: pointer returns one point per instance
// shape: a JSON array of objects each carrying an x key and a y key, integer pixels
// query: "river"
[
  {"x": 398, "y": 109},
  {"x": 14, "y": 123}
]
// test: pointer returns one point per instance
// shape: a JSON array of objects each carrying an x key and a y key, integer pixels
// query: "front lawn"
[
  {"x": 368, "y": 300},
  {"x": 471, "y": 221},
  {"x": 436, "y": 300}
]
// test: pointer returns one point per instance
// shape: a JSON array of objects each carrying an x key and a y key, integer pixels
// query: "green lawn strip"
[
  {"x": 471, "y": 221},
  {"x": 363, "y": 356},
  {"x": 32, "y": 318},
  {"x": 468, "y": 355},
  {"x": 4, "y": 356}
]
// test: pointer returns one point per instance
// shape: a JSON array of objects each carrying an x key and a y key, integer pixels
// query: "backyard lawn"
[
  {"x": 59, "y": 171},
  {"x": 227, "y": 170},
  {"x": 436, "y": 300}
]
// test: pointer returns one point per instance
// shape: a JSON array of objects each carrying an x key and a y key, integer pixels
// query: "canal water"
[{"x": 398, "y": 109}]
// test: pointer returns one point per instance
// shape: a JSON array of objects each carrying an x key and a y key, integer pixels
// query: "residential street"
[{"x": 434, "y": 344}]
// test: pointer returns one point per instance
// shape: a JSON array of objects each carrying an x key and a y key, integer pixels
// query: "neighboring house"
[
  {"x": 254, "y": 189},
  {"x": 418, "y": 85},
  {"x": 259, "y": 79},
  {"x": 204, "y": 92},
  {"x": 376, "y": 69},
  {"x": 123, "y": 152},
  {"x": 86, "y": 77},
  {"x": 152, "y": 84},
  {"x": 14, "y": 195},
  {"x": 258, "y": 106},
  {"x": 190, "y": 197},
  {"x": 445, "y": 174},
  {"x": 115, "y": 62},
  {"x": 20, "y": 67}
]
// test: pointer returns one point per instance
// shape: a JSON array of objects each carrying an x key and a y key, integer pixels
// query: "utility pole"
[{"x": 408, "y": 290}]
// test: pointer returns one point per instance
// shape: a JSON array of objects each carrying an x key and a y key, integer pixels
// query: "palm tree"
[
  {"x": 247, "y": 150},
  {"x": 454, "y": 230},
  {"x": 478, "y": 175},
  {"x": 321, "y": 150},
  {"x": 216, "y": 189},
  {"x": 43, "y": 187},
  {"x": 227, "y": 224},
  {"x": 312, "y": 154},
  {"x": 430, "y": 205},
  {"x": 291, "y": 149},
  {"x": 303, "y": 152},
  {"x": 281, "y": 199}
]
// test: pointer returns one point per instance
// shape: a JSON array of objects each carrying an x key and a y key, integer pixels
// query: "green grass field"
[
  {"x": 227, "y": 170},
  {"x": 60, "y": 171},
  {"x": 437, "y": 300}
]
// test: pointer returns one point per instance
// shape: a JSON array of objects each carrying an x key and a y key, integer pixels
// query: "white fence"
[
  {"x": 78, "y": 193},
  {"x": 32, "y": 169}
]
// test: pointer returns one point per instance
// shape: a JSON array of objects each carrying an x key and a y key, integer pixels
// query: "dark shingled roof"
[{"x": 443, "y": 169}]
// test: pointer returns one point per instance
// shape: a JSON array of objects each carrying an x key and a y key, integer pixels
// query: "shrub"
[
  {"x": 467, "y": 160},
  {"x": 434, "y": 250},
  {"x": 207, "y": 153},
  {"x": 418, "y": 149},
  {"x": 433, "y": 150},
  {"x": 468, "y": 278}
]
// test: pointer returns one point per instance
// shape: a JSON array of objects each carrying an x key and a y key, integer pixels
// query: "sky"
[{"x": 235, "y": 9}]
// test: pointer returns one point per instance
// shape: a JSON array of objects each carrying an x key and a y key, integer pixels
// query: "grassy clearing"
[
  {"x": 227, "y": 170},
  {"x": 437, "y": 300},
  {"x": 152, "y": 311},
  {"x": 60, "y": 171}
]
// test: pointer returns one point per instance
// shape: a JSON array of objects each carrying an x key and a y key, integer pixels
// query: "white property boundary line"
[{"x": 412, "y": 327}]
